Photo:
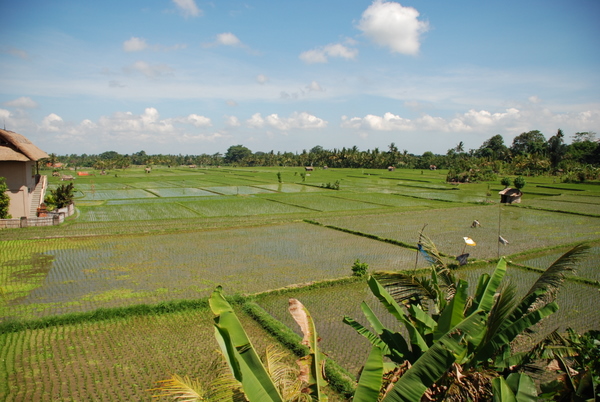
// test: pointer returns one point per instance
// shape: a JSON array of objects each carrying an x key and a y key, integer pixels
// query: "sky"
[{"x": 196, "y": 77}]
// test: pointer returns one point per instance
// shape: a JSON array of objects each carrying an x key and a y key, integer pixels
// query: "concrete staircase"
[{"x": 37, "y": 196}]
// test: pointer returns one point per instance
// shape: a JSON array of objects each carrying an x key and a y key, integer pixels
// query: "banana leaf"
[
  {"x": 371, "y": 378},
  {"x": 374, "y": 339},
  {"x": 523, "y": 387},
  {"x": 312, "y": 366},
  {"x": 454, "y": 311},
  {"x": 239, "y": 352},
  {"x": 390, "y": 304},
  {"x": 501, "y": 392},
  {"x": 435, "y": 362}
]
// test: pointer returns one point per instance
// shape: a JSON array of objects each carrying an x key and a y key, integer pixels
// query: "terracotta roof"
[{"x": 18, "y": 144}]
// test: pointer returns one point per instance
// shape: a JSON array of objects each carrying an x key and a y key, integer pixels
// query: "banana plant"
[
  {"x": 468, "y": 338},
  {"x": 257, "y": 381}
]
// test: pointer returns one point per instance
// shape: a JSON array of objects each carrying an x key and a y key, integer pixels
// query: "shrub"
[
  {"x": 359, "y": 268},
  {"x": 4, "y": 199},
  {"x": 61, "y": 197},
  {"x": 506, "y": 182},
  {"x": 519, "y": 182}
]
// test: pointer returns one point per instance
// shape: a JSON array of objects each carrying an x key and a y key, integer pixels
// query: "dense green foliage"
[
  {"x": 529, "y": 154},
  {"x": 4, "y": 199},
  {"x": 61, "y": 197}
]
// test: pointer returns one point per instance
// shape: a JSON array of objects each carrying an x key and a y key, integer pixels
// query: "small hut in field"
[{"x": 510, "y": 196}]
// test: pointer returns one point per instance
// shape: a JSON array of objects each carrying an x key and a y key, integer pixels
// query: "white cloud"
[
  {"x": 391, "y": 25},
  {"x": 262, "y": 79},
  {"x": 297, "y": 120},
  {"x": 232, "y": 121},
  {"x": 188, "y": 8},
  {"x": 322, "y": 54},
  {"x": 149, "y": 70},
  {"x": 138, "y": 44},
  {"x": 228, "y": 39},
  {"x": 52, "y": 122},
  {"x": 510, "y": 122},
  {"x": 387, "y": 122},
  {"x": 256, "y": 121},
  {"x": 199, "y": 121},
  {"x": 24, "y": 102},
  {"x": 135, "y": 44},
  {"x": 231, "y": 102}
]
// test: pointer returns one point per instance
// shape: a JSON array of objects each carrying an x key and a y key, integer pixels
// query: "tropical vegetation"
[
  {"x": 530, "y": 154},
  {"x": 4, "y": 199}
]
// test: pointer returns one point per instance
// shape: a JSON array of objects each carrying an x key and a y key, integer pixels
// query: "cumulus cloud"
[
  {"x": 228, "y": 39},
  {"x": 52, "y": 122},
  {"x": 24, "y": 102},
  {"x": 509, "y": 121},
  {"x": 232, "y": 121},
  {"x": 322, "y": 54},
  {"x": 297, "y": 120},
  {"x": 256, "y": 121},
  {"x": 225, "y": 39},
  {"x": 188, "y": 8},
  {"x": 198, "y": 121},
  {"x": 149, "y": 70},
  {"x": 391, "y": 25},
  {"x": 135, "y": 44}
]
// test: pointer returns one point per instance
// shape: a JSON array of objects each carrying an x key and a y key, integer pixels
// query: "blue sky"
[{"x": 192, "y": 77}]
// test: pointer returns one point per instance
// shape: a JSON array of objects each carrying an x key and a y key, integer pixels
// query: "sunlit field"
[{"x": 173, "y": 235}]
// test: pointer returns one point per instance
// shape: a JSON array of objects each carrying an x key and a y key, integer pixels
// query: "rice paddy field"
[{"x": 174, "y": 234}]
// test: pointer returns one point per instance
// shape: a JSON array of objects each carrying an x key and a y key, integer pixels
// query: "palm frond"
[
  {"x": 429, "y": 246},
  {"x": 408, "y": 288},
  {"x": 184, "y": 389},
  {"x": 286, "y": 377},
  {"x": 224, "y": 387},
  {"x": 554, "y": 275}
]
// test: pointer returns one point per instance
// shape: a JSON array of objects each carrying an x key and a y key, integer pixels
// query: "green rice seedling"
[
  {"x": 108, "y": 271},
  {"x": 525, "y": 229},
  {"x": 319, "y": 202},
  {"x": 135, "y": 212},
  {"x": 125, "y": 193},
  {"x": 239, "y": 207},
  {"x": 180, "y": 192}
]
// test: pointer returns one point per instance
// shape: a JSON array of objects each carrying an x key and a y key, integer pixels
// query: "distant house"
[
  {"x": 19, "y": 166},
  {"x": 510, "y": 196}
]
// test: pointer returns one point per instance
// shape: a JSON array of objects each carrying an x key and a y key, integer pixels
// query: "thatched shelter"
[
  {"x": 510, "y": 196},
  {"x": 18, "y": 165}
]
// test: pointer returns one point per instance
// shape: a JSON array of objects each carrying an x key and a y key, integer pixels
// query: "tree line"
[{"x": 529, "y": 154}]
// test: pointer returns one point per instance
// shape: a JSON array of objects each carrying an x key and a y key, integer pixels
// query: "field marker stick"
[
  {"x": 419, "y": 242},
  {"x": 499, "y": 220}
]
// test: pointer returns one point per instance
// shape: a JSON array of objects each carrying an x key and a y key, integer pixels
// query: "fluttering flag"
[
  {"x": 470, "y": 241},
  {"x": 502, "y": 240},
  {"x": 425, "y": 254},
  {"x": 462, "y": 259}
]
